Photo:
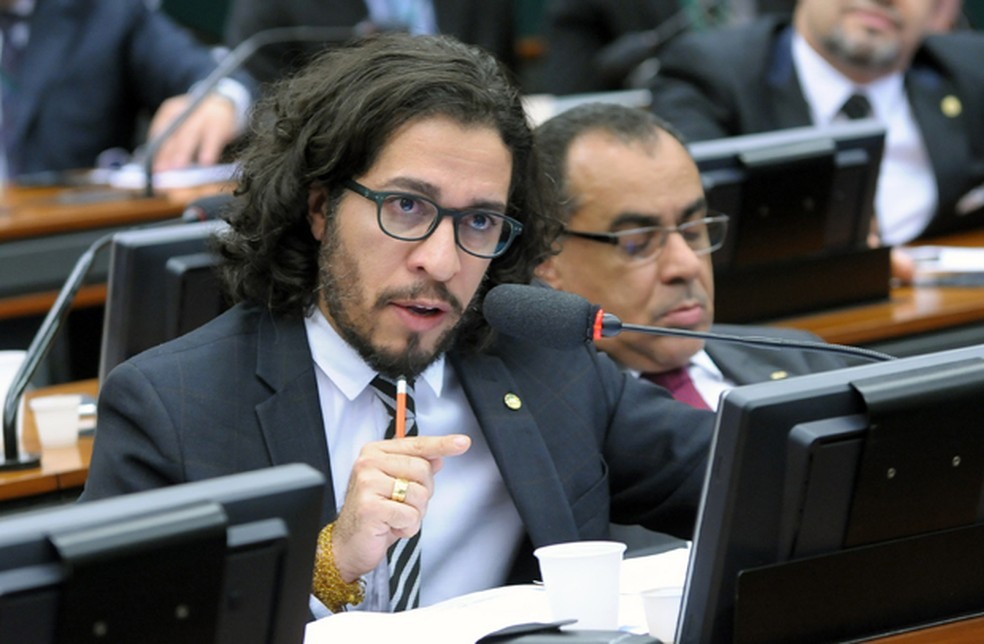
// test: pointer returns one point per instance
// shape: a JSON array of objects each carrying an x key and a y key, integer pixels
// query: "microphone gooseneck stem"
[
  {"x": 41, "y": 344},
  {"x": 230, "y": 63},
  {"x": 612, "y": 326},
  {"x": 36, "y": 352}
]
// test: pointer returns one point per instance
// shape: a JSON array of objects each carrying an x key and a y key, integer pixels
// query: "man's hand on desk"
[
  {"x": 201, "y": 138},
  {"x": 370, "y": 520},
  {"x": 903, "y": 266}
]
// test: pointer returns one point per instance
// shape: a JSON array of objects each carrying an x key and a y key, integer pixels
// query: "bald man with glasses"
[{"x": 637, "y": 241}]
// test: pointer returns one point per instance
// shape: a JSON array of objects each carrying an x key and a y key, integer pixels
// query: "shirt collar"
[
  {"x": 345, "y": 367},
  {"x": 703, "y": 362},
  {"x": 700, "y": 360},
  {"x": 826, "y": 89}
]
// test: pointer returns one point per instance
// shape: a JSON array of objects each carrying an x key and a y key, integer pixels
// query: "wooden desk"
[
  {"x": 908, "y": 311},
  {"x": 965, "y": 631},
  {"x": 70, "y": 218},
  {"x": 63, "y": 469}
]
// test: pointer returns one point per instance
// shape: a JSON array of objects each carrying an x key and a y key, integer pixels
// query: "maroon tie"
[{"x": 678, "y": 382}]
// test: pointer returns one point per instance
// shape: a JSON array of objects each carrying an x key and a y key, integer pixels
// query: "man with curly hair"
[{"x": 387, "y": 187}]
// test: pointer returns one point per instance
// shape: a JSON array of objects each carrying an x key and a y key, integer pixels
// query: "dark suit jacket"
[
  {"x": 240, "y": 393},
  {"x": 92, "y": 67},
  {"x": 742, "y": 80},
  {"x": 746, "y": 365},
  {"x": 489, "y": 24},
  {"x": 576, "y": 31},
  {"x": 743, "y": 365}
]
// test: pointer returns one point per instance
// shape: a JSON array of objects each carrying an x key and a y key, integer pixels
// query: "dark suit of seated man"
[
  {"x": 388, "y": 186},
  {"x": 928, "y": 90},
  {"x": 82, "y": 74},
  {"x": 638, "y": 242}
]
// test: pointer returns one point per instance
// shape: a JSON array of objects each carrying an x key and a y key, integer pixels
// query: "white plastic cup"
[
  {"x": 57, "y": 419},
  {"x": 582, "y": 582},
  {"x": 662, "y": 608}
]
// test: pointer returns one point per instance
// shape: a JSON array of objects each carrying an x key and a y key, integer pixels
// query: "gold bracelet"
[{"x": 328, "y": 586}]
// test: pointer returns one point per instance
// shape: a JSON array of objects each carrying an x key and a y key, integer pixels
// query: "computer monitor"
[
  {"x": 162, "y": 283},
  {"x": 228, "y": 559},
  {"x": 843, "y": 504},
  {"x": 797, "y": 198},
  {"x": 792, "y": 192}
]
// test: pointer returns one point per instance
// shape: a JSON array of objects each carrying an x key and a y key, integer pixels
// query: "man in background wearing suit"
[
  {"x": 387, "y": 187},
  {"x": 638, "y": 243},
  {"x": 490, "y": 24},
  {"x": 78, "y": 76},
  {"x": 579, "y": 32},
  {"x": 928, "y": 90}
]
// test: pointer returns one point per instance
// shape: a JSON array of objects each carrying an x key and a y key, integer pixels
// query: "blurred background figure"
[
  {"x": 600, "y": 45},
  {"x": 489, "y": 24},
  {"x": 84, "y": 76},
  {"x": 638, "y": 242},
  {"x": 843, "y": 59},
  {"x": 593, "y": 45}
]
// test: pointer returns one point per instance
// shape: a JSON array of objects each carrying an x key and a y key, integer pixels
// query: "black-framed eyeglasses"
[
  {"x": 410, "y": 217},
  {"x": 703, "y": 236}
]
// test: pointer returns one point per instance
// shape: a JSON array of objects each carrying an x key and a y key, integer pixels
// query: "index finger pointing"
[{"x": 429, "y": 447}]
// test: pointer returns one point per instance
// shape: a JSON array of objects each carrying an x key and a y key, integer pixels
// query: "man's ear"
[
  {"x": 549, "y": 272},
  {"x": 317, "y": 210}
]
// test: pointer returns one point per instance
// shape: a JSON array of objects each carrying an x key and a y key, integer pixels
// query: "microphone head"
[
  {"x": 207, "y": 208},
  {"x": 543, "y": 315}
]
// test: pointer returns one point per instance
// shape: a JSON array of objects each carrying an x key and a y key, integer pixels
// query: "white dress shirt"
[
  {"x": 472, "y": 529},
  {"x": 906, "y": 195}
]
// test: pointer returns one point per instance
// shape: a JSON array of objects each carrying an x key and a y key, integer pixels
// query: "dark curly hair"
[{"x": 329, "y": 123}]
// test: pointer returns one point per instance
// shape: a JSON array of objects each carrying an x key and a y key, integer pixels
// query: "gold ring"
[{"x": 400, "y": 487}]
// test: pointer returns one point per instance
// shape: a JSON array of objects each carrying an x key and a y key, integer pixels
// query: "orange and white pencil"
[{"x": 401, "y": 407}]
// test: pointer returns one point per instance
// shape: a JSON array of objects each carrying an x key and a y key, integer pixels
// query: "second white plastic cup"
[
  {"x": 582, "y": 582},
  {"x": 662, "y": 607}
]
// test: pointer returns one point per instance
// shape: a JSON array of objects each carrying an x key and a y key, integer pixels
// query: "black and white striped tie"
[{"x": 403, "y": 556}]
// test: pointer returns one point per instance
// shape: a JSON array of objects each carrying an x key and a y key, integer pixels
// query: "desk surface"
[
  {"x": 34, "y": 212},
  {"x": 28, "y": 215},
  {"x": 61, "y": 469},
  {"x": 66, "y": 468},
  {"x": 908, "y": 311}
]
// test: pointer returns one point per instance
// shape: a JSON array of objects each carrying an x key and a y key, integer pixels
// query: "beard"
[
  {"x": 343, "y": 291},
  {"x": 862, "y": 53}
]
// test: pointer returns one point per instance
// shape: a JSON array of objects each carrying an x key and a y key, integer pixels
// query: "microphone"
[
  {"x": 200, "y": 210},
  {"x": 206, "y": 208},
  {"x": 233, "y": 61},
  {"x": 563, "y": 320},
  {"x": 616, "y": 61}
]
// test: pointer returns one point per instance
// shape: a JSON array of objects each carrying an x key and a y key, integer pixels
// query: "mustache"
[
  {"x": 433, "y": 291},
  {"x": 690, "y": 297}
]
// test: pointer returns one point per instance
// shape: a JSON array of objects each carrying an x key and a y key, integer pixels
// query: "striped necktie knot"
[{"x": 386, "y": 391}]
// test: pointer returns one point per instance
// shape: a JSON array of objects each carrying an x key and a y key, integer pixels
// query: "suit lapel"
[
  {"x": 787, "y": 100},
  {"x": 943, "y": 134},
  {"x": 290, "y": 419},
  {"x": 518, "y": 448},
  {"x": 735, "y": 364}
]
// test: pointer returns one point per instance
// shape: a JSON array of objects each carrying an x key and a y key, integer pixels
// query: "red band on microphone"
[{"x": 596, "y": 329}]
